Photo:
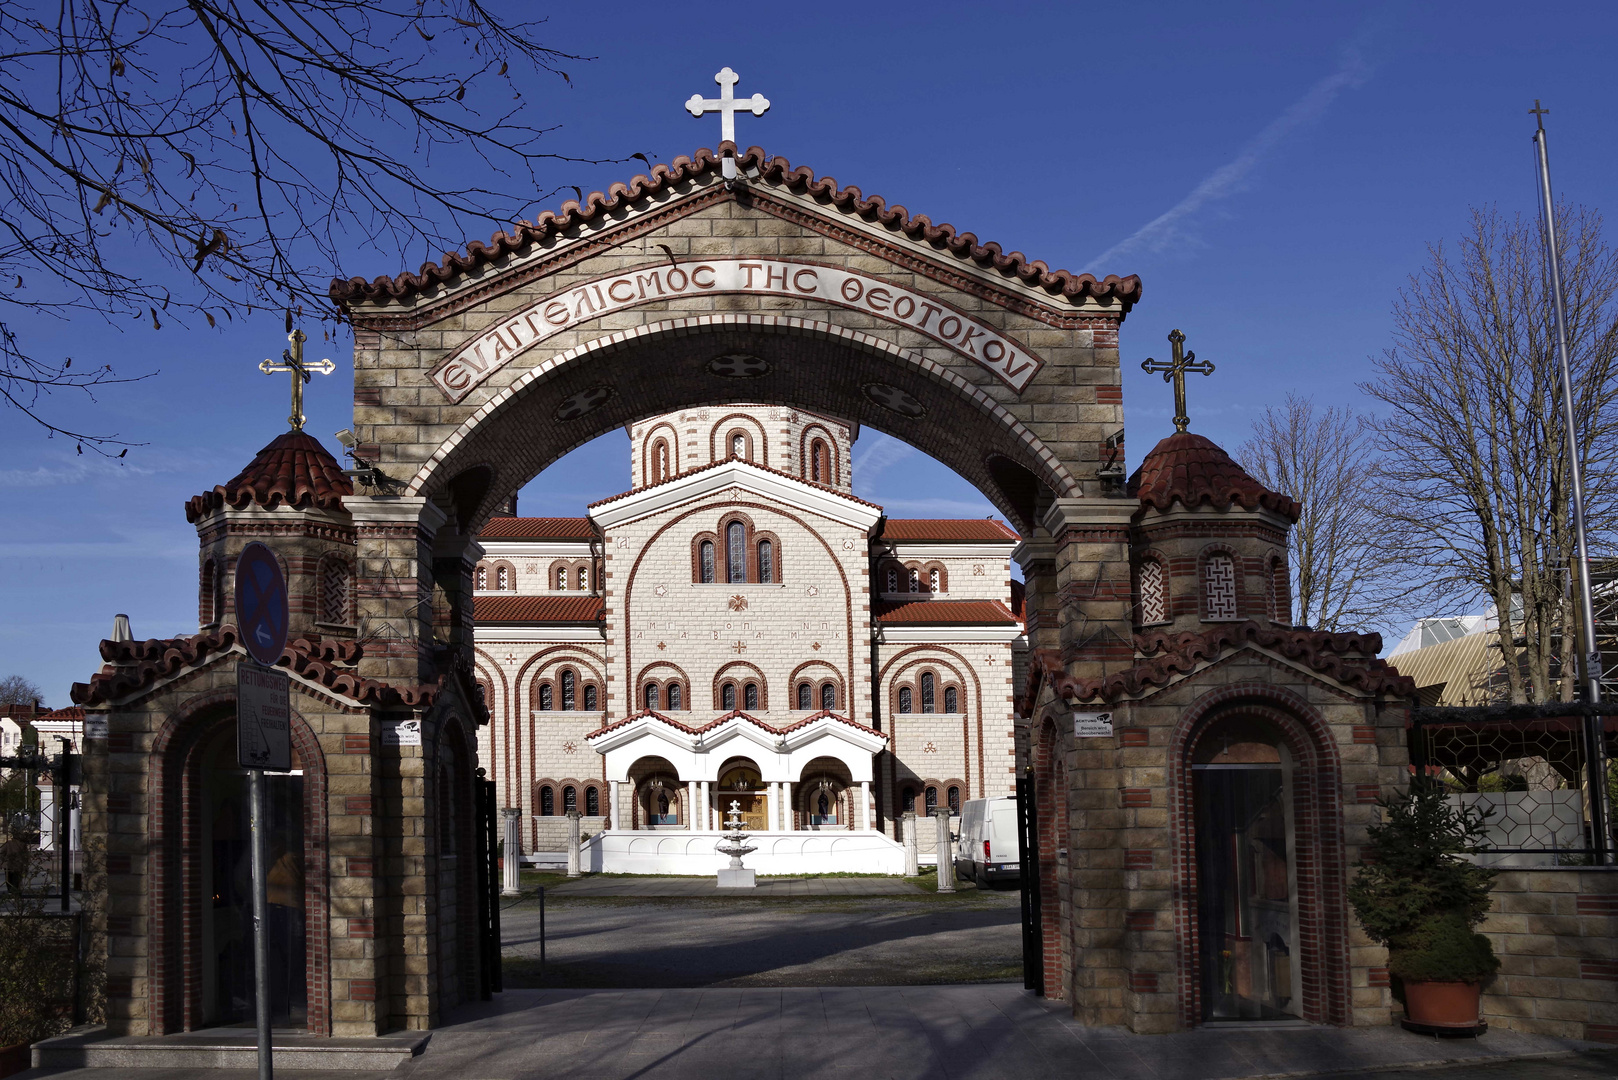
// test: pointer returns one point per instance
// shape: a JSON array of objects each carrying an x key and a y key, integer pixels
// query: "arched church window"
[
  {"x": 334, "y": 592},
  {"x": 1280, "y": 602},
  {"x": 1219, "y": 587},
  {"x": 569, "y": 699},
  {"x": 750, "y": 695},
  {"x": 819, "y": 462},
  {"x": 651, "y": 695},
  {"x": 545, "y": 701},
  {"x": 828, "y": 695},
  {"x": 561, "y": 579},
  {"x": 502, "y": 578},
  {"x": 1154, "y": 606},
  {"x": 905, "y": 702},
  {"x": 589, "y": 699},
  {"x": 676, "y": 697},
  {"x": 707, "y": 562},
  {"x": 915, "y": 580},
  {"x": 932, "y": 581},
  {"x": 570, "y": 799},
  {"x": 928, "y": 704},
  {"x": 893, "y": 580},
  {"x": 805, "y": 697},
  {"x": 930, "y": 798},
  {"x": 955, "y": 799},
  {"x": 738, "y": 446},
  {"x": 727, "y": 696},
  {"x": 952, "y": 700},
  {"x": 483, "y": 577},
  {"x": 547, "y": 802},
  {"x": 660, "y": 461},
  {"x": 580, "y": 579},
  {"x": 592, "y": 802},
  {"x": 736, "y": 551},
  {"x": 766, "y": 561}
]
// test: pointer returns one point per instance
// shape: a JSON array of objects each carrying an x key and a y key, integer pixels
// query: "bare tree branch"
[
  {"x": 172, "y": 161},
  {"x": 1475, "y": 482}
]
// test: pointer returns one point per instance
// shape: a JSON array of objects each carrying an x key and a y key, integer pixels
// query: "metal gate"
[{"x": 1033, "y": 939}]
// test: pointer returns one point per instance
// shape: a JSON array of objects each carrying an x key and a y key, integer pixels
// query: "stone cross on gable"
[
  {"x": 292, "y": 360},
  {"x": 727, "y": 105},
  {"x": 1175, "y": 372}
]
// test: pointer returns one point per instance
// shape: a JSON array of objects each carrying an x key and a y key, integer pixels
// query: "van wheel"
[{"x": 980, "y": 877}]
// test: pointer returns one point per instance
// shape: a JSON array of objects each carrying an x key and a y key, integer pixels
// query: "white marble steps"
[{"x": 90, "y": 1047}]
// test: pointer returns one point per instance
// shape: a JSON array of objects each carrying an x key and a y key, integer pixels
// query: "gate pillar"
[{"x": 393, "y": 588}]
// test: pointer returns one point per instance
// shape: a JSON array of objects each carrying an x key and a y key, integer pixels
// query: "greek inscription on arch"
[{"x": 521, "y": 330}]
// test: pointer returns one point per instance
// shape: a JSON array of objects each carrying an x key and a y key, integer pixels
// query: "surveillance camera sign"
[{"x": 1092, "y": 725}]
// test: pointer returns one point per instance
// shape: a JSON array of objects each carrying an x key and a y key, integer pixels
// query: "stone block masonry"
[{"x": 1556, "y": 934}]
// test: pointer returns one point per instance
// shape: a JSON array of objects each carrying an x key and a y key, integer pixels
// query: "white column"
[
  {"x": 865, "y": 804},
  {"x": 692, "y": 822},
  {"x": 772, "y": 807},
  {"x": 612, "y": 804},
  {"x": 573, "y": 847},
  {"x": 705, "y": 797},
  {"x": 786, "y": 808},
  {"x": 511, "y": 851}
]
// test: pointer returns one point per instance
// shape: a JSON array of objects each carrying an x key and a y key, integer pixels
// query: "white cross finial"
[{"x": 727, "y": 105}]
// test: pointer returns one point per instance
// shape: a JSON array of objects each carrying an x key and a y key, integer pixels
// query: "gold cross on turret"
[
  {"x": 292, "y": 360},
  {"x": 1175, "y": 372}
]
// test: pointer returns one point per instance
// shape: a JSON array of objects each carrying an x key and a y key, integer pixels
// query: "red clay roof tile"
[
  {"x": 944, "y": 613},
  {"x": 949, "y": 530},
  {"x": 526, "y": 609},
  {"x": 543, "y": 528},
  {"x": 731, "y": 461},
  {"x": 1194, "y": 471},
  {"x": 775, "y": 170},
  {"x": 293, "y": 469}
]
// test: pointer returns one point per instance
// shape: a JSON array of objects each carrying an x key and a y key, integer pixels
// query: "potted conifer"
[{"x": 1418, "y": 896}]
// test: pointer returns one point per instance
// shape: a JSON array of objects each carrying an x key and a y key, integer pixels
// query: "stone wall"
[{"x": 1554, "y": 931}]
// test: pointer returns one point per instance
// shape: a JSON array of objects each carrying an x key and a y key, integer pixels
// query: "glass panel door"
[{"x": 1246, "y": 893}]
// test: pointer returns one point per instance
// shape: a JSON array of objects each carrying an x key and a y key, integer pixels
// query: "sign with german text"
[
  {"x": 494, "y": 348},
  {"x": 401, "y": 732},
  {"x": 1092, "y": 725},
  {"x": 263, "y": 718}
]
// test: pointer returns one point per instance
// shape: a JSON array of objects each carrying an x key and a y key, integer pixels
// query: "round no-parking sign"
[{"x": 261, "y": 603}]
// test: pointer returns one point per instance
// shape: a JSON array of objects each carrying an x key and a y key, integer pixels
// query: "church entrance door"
[
  {"x": 741, "y": 785},
  {"x": 1247, "y": 895}
]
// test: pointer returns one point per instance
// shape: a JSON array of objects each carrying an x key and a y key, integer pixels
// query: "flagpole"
[{"x": 1593, "y": 727}]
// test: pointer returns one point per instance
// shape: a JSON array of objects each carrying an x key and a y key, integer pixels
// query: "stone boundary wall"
[{"x": 1556, "y": 933}]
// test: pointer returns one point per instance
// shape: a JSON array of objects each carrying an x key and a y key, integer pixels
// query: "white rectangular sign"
[
  {"x": 95, "y": 725},
  {"x": 401, "y": 733},
  {"x": 1092, "y": 725},
  {"x": 263, "y": 718}
]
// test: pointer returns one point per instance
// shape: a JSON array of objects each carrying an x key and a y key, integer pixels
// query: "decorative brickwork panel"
[
  {"x": 1154, "y": 606},
  {"x": 1139, "y": 859},
  {"x": 1364, "y": 735},
  {"x": 1600, "y": 970},
  {"x": 1140, "y": 920},
  {"x": 1134, "y": 736},
  {"x": 1380, "y": 977},
  {"x": 1367, "y": 793},
  {"x": 1219, "y": 588},
  {"x": 1129, "y": 797},
  {"x": 1591, "y": 904},
  {"x": 1143, "y": 982}
]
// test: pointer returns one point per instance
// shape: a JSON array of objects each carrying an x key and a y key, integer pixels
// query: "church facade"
[{"x": 739, "y": 631}]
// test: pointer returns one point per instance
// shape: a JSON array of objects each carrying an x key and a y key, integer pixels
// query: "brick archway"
[
  {"x": 177, "y": 893},
  {"x": 1319, "y": 851}
]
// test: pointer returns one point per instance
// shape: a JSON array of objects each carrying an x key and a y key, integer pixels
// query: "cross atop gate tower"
[
  {"x": 727, "y": 106},
  {"x": 302, "y": 370},
  {"x": 1175, "y": 371}
]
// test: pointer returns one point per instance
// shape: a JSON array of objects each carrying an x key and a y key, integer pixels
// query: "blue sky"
[{"x": 1272, "y": 171}]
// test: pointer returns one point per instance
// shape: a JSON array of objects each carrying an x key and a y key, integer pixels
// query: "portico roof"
[{"x": 697, "y": 752}]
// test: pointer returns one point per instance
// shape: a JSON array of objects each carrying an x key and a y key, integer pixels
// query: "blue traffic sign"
[{"x": 261, "y": 603}]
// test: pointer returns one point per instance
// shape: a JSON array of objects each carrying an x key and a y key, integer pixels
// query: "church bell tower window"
[
  {"x": 707, "y": 562},
  {"x": 1219, "y": 588},
  {"x": 928, "y": 703},
  {"x": 736, "y": 551},
  {"x": 1153, "y": 603},
  {"x": 893, "y": 580},
  {"x": 568, "y": 698},
  {"x": 766, "y": 561},
  {"x": 738, "y": 446}
]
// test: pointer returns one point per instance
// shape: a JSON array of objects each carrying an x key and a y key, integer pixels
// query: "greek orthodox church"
[{"x": 738, "y": 631}]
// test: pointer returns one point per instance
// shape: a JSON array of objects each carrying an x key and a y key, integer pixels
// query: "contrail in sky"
[{"x": 1231, "y": 177}]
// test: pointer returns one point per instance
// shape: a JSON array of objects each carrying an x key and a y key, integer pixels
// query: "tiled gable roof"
[
  {"x": 538, "y": 609},
  {"x": 294, "y": 470},
  {"x": 949, "y": 530},
  {"x": 944, "y": 613},
  {"x": 776, "y": 170},
  {"x": 733, "y": 461},
  {"x": 1195, "y": 471},
  {"x": 545, "y": 528},
  {"x": 735, "y": 714}
]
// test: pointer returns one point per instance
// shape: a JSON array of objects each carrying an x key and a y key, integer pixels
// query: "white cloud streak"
[
  {"x": 881, "y": 453},
  {"x": 1231, "y": 178}
]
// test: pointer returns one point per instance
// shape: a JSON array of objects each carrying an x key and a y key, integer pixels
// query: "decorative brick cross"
[{"x": 727, "y": 106}]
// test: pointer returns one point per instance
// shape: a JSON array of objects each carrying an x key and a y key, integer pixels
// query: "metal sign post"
[{"x": 263, "y": 741}]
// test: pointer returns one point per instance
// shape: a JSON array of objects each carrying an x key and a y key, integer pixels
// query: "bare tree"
[
  {"x": 175, "y": 161},
  {"x": 16, "y": 690},
  {"x": 1345, "y": 576},
  {"x": 1476, "y": 471}
]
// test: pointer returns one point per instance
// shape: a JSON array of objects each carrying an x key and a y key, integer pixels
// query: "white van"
[{"x": 988, "y": 849}]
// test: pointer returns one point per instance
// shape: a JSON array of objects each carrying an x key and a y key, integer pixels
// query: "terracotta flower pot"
[
  {"x": 15, "y": 1059},
  {"x": 1450, "y": 1005}
]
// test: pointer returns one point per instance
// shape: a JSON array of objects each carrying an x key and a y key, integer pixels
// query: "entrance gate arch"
[{"x": 682, "y": 291}]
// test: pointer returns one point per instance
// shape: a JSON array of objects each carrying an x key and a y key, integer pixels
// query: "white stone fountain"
[{"x": 735, "y": 876}]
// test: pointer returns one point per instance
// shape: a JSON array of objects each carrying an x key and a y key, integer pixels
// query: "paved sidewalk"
[
  {"x": 768, "y": 888},
  {"x": 990, "y": 1031}
]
